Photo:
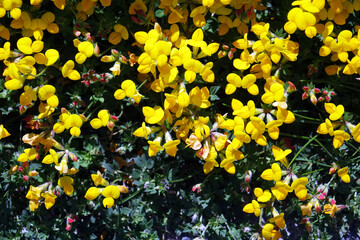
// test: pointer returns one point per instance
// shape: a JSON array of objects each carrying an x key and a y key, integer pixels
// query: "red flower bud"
[
  {"x": 327, "y": 98},
  {"x": 325, "y": 92},
  {"x": 317, "y": 90},
  {"x": 306, "y": 88},
  {"x": 114, "y": 118},
  {"x": 68, "y": 227},
  {"x": 304, "y": 96},
  {"x": 320, "y": 99},
  {"x": 291, "y": 87},
  {"x": 25, "y": 164},
  {"x": 26, "y": 178}
]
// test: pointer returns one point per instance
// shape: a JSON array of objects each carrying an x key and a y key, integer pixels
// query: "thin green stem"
[
  {"x": 306, "y": 144},
  {"x": 131, "y": 196},
  {"x": 141, "y": 84},
  {"x": 318, "y": 170},
  {"x": 228, "y": 227},
  {"x": 88, "y": 107},
  {"x": 183, "y": 179},
  {"x": 308, "y": 118},
  {"x": 323, "y": 147},
  {"x": 295, "y": 136}
]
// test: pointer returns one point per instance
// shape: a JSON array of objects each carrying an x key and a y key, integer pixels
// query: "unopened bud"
[
  {"x": 13, "y": 169},
  {"x": 327, "y": 98},
  {"x": 304, "y": 96},
  {"x": 114, "y": 118},
  {"x": 96, "y": 50},
  {"x": 26, "y": 178},
  {"x": 196, "y": 187},
  {"x": 248, "y": 175},
  {"x": 73, "y": 156},
  {"x": 110, "y": 125},
  {"x": 332, "y": 93},
  {"x": 313, "y": 99},
  {"x": 68, "y": 227},
  {"x": 317, "y": 90},
  {"x": 317, "y": 206},
  {"x": 320, "y": 99},
  {"x": 221, "y": 54},
  {"x": 230, "y": 55},
  {"x": 325, "y": 92},
  {"x": 306, "y": 88},
  {"x": 114, "y": 52},
  {"x": 33, "y": 173},
  {"x": 291, "y": 87}
]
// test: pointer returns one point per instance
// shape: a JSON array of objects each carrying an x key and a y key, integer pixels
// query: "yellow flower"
[
  {"x": 3, "y": 132},
  {"x": 280, "y": 155},
  {"x": 299, "y": 187},
  {"x": 343, "y": 174},
  {"x": 27, "y": 46},
  {"x": 128, "y": 89},
  {"x": 253, "y": 207},
  {"x": 110, "y": 193},
  {"x": 306, "y": 209},
  {"x": 281, "y": 190},
  {"x": 68, "y": 71},
  {"x": 66, "y": 183},
  {"x": 275, "y": 93},
  {"x": 273, "y": 173},
  {"x": 262, "y": 196},
  {"x": 47, "y": 93},
  {"x": 335, "y": 111},
  {"x": 153, "y": 115},
  {"x": 279, "y": 220},
  {"x": 98, "y": 179},
  {"x": 231, "y": 156},
  {"x": 103, "y": 120},
  {"x": 331, "y": 209},
  {"x": 339, "y": 137},
  {"x": 120, "y": 33},
  {"x": 86, "y": 50},
  {"x": 49, "y": 199},
  {"x": 92, "y": 193},
  {"x": 28, "y": 155},
  {"x": 51, "y": 158}
]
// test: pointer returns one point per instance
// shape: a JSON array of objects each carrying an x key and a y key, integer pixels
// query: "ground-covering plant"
[{"x": 174, "y": 119}]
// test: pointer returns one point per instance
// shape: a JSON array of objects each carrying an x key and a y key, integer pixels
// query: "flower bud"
[
  {"x": 304, "y": 96},
  {"x": 26, "y": 178},
  {"x": 306, "y": 88},
  {"x": 313, "y": 99},
  {"x": 230, "y": 55},
  {"x": 13, "y": 169},
  {"x": 33, "y": 173},
  {"x": 291, "y": 87},
  {"x": 317, "y": 90},
  {"x": 248, "y": 175},
  {"x": 196, "y": 187}
]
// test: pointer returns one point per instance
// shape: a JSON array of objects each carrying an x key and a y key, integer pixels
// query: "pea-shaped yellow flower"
[{"x": 66, "y": 183}]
